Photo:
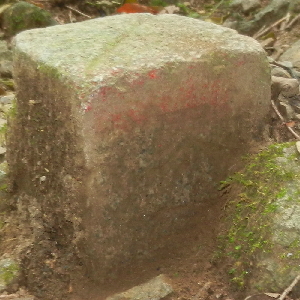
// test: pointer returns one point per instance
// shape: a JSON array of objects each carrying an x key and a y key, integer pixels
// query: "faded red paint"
[
  {"x": 116, "y": 117},
  {"x": 136, "y": 116},
  {"x": 138, "y": 81},
  {"x": 240, "y": 63},
  {"x": 88, "y": 107},
  {"x": 164, "y": 107},
  {"x": 153, "y": 74},
  {"x": 103, "y": 93}
]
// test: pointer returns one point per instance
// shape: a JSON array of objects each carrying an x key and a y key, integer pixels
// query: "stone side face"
[{"x": 128, "y": 132}]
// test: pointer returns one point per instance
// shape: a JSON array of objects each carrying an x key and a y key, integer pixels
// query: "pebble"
[{"x": 8, "y": 99}]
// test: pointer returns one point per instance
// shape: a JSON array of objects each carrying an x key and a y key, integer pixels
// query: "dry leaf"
[
  {"x": 290, "y": 124},
  {"x": 131, "y": 8}
]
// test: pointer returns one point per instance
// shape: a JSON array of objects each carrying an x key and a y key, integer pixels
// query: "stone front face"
[{"x": 129, "y": 122}]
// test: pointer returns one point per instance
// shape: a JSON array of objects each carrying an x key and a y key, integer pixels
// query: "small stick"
[
  {"x": 202, "y": 291},
  {"x": 289, "y": 128},
  {"x": 285, "y": 22},
  {"x": 78, "y": 11},
  {"x": 70, "y": 16},
  {"x": 289, "y": 288},
  {"x": 259, "y": 34},
  {"x": 293, "y": 21},
  {"x": 259, "y": 31}
]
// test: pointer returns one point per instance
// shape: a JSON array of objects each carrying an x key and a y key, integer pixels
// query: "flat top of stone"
[{"x": 91, "y": 50}]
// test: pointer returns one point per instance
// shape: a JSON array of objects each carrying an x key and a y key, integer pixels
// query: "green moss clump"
[
  {"x": 22, "y": 16},
  {"x": 249, "y": 215},
  {"x": 9, "y": 269}
]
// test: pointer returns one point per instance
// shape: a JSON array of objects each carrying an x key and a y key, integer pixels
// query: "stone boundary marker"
[{"x": 126, "y": 124}]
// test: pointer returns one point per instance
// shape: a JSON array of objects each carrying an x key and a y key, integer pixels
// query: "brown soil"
[{"x": 190, "y": 264}]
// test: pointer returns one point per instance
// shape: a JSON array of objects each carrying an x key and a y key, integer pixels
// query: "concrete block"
[{"x": 125, "y": 126}]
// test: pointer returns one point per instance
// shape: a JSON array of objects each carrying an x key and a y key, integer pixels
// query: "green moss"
[
  {"x": 188, "y": 11},
  {"x": 8, "y": 271},
  {"x": 22, "y": 16},
  {"x": 50, "y": 71},
  {"x": 249, "y": 214}
]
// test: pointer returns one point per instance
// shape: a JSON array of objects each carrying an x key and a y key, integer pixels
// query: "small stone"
[
  {"x": 279, "y": 72},
  {"x": 287, "y": 64},
  {"x": 8, "y": 99},
  {"x": 22, "y": 16},
  {"x": 155, "y": 289},
  {"x": 246, "y": 6},
  {"x": 6, "y": 68},
  {"x": 2, "y": 150},
  {"x": 43, "y": 178}
]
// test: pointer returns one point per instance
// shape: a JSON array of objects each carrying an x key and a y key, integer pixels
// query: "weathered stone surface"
[
  {"x": 246, "y": 5},
  {"x": 264, "y": 243},
  {"x": 272, "y": 12},
  {"x": 155, "y": 289},
  {"x": 278, "y": 268},
  {"x": 292, "y": 55},
  {"x": 131, "y": 121}
]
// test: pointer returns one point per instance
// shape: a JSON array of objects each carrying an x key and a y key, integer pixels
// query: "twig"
[
  {"x": 289, "y": 128},
  {"x": 289, "y": 288},
  {"x": 285, "y": 22},
  {"x": 261, "y": 33},
  {"x": 293, "y": 21},
  {"x": 202, "y": 291},
  {"x": 78, "y": 11},
  {"x": 70, "y": 16}
]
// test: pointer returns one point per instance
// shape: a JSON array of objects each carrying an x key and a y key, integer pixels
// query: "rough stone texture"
[
  {"x": 269, "y": 14},
  {"x": 155, "y": 289},
  {"x": 125, "y": 126},
  {"x": 276, "y": 269},
  {"x": 246, "y": 5},
  {"x": 292, "y": 55}
]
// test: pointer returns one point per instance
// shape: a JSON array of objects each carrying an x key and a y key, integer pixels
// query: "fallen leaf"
[
  {"x": 131, "y": 8},
  {"x": 290, "y": 124}
]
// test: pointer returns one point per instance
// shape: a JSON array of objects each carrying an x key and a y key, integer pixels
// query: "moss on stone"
[
  {"x": 250, "y": 214},
  {"x": 9, "y": 270},
  {"x": 22, "y": 16}
]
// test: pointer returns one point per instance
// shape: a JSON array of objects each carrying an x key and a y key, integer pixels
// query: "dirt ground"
[{"x": 192, "y": 262}]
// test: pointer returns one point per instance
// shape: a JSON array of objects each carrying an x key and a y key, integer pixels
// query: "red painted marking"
[
  {"x": 103, "y": 92},
  {"x": 153, "y": 74},
  {"x": 240, "y": 62},
  {"x": 136, "y": 116},
  {"x": 163, "y": 107},
  {"x": 88, "y": 107},
  {"x": 116, "y": 117}
]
